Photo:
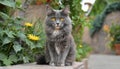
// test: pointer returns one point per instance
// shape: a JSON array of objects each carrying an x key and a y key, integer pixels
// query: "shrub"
[{"x": 15, "y": 44}]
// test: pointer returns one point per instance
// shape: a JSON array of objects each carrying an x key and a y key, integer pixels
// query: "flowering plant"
[
  {"x": 39, "y": 2},
  {"x": 19, "y": 43},
  {"x": 113, "y": 34},
  {"x": 28, "y": 29},
  {"x": 82, "y": 51}
]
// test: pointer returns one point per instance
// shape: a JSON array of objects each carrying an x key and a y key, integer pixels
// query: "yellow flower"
[
  {"x": 106, "y": 28},
  {"x": 112, "y": 39},
  {"x": 80, "y": 46},
  {"x": 33, "y": 37},
  {"x": 28, "y": 24}
]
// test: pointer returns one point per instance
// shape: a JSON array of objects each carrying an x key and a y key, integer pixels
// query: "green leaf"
[
  {"x": 7, "y": 61},
  {"x": 2, "y": 56},
  {"x": 1, "y": 33},
  {"x": 6, "y": 41},
  {"x": 4, "y": 15},
  {"x": 0, "y": 64},
  {"x": 9, "y": 3},
  {"x": 4, "y": 59},
  {"x": 17, "y": 47},
  {"x": 10, "y": 33},
  {"x": 21, "y": 36},
  {"x": 29, "y": 43},
  {"x": 80, "y": 51},
  {"x": 25, "y": 59},
  {"x": 18, "y": 3},
  {"x": 39, "y": 45},
  {"x": 13, "y": 58}
]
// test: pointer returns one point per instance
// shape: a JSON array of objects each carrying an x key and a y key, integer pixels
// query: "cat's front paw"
[
  {"x": 60, "y": 64},
  {"x": 52, "y": 63},
  {"x": 68, "y": 64}
]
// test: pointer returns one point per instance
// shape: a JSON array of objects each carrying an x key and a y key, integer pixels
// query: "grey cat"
[{"x": 60, "y": 45}]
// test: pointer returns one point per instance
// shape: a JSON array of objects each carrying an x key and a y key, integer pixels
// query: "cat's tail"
[{"x": 40, "y": 59}]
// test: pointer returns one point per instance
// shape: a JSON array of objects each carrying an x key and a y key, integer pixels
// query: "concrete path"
[{"x": 104, "y": 62}]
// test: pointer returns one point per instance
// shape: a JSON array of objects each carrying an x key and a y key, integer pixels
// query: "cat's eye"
[
  {"x": 53, "y": 19},
  {"x": 62, "y": 19}
]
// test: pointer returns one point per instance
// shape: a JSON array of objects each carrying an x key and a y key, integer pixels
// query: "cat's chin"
[{"x": 57, "y": 28}]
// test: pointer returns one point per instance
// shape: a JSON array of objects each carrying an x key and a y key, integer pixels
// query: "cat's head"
[{"x": 58, "y": 19}]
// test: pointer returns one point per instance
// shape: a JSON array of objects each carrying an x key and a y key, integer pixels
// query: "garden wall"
[{"x": 35, "y": 12}]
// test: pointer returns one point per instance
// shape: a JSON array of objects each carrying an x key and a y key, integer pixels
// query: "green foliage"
[
  {"x": 15, "y": 46},
  {"x": 98, "y": 22},
  {"x": 114, "y": 35},
  {"x": 98, "y": 7},
  {"x": 83, "y": 51},
  {"x": 9, "y": 3},
  {"x": 112, "y": 1}
]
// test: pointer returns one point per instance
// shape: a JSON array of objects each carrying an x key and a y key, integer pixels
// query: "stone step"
[{"x": 77, "y": 65}]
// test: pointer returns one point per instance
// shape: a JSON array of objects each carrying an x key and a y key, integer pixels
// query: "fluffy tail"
[{"x": 40, "y": 59}]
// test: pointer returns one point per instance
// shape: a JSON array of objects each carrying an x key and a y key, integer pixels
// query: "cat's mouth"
[{"x": 57, "y": 27}]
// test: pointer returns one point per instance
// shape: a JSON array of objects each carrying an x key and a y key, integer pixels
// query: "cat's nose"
[{"x": 57, "y": 24}]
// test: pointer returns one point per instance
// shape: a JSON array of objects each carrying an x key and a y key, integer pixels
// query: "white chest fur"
[{"x": 56, "y": 32}]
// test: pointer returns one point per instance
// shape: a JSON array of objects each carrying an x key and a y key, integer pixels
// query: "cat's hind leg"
[{"x": 62, "y": 56}]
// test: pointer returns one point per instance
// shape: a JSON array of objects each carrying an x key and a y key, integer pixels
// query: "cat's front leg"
[
  {"x": 54, "y": 59},
  {"x": 60, "y": 62},
  {"x": 51, "y": 55},
  {"x": 52, "y": 63},
  {"x": 62, "y": 56}
]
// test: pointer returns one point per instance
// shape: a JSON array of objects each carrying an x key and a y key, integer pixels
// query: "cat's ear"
[
  {"x": 49, "y": 9},
  {"x": 66, "y": 10}
]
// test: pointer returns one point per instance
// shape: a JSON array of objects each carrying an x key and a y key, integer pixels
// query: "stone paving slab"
[
  {"x": 34, "y": 66},
  {"x": 77, "y": 65},
  {"x": 104, "y": 62}
]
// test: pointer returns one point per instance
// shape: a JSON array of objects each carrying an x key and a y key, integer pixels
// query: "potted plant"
[
  {"x": 39, "y": 2},
  {"x": 115, "y": 38}
]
